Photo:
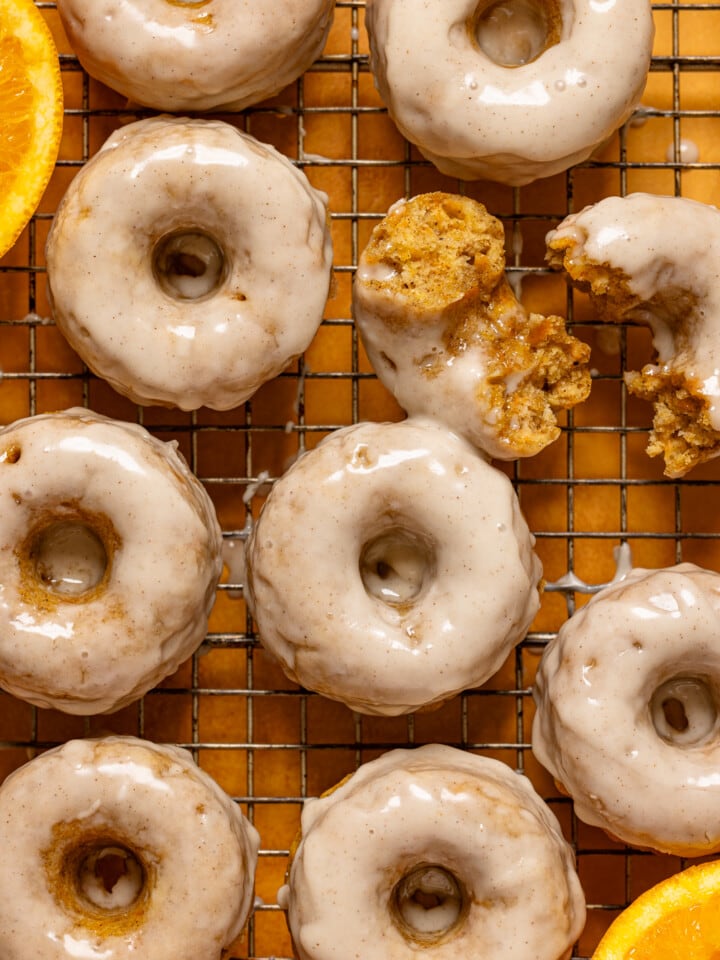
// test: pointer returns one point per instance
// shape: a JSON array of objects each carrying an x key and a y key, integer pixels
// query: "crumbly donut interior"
[
  {"x": 443, "y": 256},
  {"x": 682, "y": 432}
]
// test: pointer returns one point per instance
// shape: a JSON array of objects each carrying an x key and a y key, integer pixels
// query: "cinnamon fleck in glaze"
[
  {"x": 109, "y": 559},
  {"x": 182, "y": 55},
  {"x": 443, "y": 854},
  {"x": 391, "y": 568},
  {"x": 133, "y": 851},
  {"x": 188, "y": 263},
  {"x": 628, "y": 710},
  {"x": 523, "y": 97}
]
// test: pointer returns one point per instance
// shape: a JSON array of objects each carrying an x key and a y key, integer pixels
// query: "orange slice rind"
[
  {"x": 31, "y": 114},
  {"x": 677, "y": 918}
]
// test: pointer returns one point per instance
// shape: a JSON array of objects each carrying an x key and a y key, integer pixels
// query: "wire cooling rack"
[{"x": 266, "y": 742}]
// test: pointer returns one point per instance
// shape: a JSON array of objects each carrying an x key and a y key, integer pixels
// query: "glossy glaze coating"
[
  {"x": 627, "y": 700},
  {"x": 203, "y": 55},
  {"x": 655, "y": 259},
  {"x": 391, "y": 568},
  {"x": 439, "y": 807},
  {"x": 474, "y": 118},
  {"x": 447, "y": 336},
  {"x": 134, "y": 616},
  {"x": 188, "y": 854},
  {"x": 266, "y": 289}
]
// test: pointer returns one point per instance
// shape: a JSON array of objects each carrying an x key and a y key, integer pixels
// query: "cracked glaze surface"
[
  {"x": 203, "y": 55},
  {"x": 471, "y": 576},
  {"x": 155, "y": 178},
  {"x": 472, "y": 816},
  {"x": 476, "y": 119},
  {"x": 197, "y": 851},
  {"x": 96, "y": 652}
]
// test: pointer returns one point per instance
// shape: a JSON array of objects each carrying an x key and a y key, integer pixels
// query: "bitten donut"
[
  {"x": 110, "y": 552},
  {"x": 188, "y": 263},
  {"x": 447, "y": 336},
  {"x": 511, "y": 90},
  {"x": 444, "y": 854},
  {"x": 119, "y": 848},
  {"x": 391, "y": 568},
  {"x": 196, "y": 54},
  {"x": 628, "y": 706},
  {"x": 655, "y": 259}
]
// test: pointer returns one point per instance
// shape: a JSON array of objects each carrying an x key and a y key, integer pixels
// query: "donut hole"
[
  {"x": 684, "y": 711},
  {"x": 397, "y": 565},
  {"x": 428, "y": 903},
  {"x": 69, "y": 558},
  {"x": 188, "y": 264},
  {"x": 110, "y": 877},
  {"x": 512, "y": 33}
]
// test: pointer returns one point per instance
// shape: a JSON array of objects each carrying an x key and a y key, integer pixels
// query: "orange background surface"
[{"x": 266, "y": 742}]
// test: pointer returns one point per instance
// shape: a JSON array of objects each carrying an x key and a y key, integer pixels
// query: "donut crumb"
[{"x": 439, "y": 260}]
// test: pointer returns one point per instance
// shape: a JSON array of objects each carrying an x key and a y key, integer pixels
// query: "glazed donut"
[
  {"x": 196, "y": 54},
  {"x": 444, "y": 853},
  {"x": 121, "y": 848},
  {"x": 628, "y": 707},
  {"x": 626, "y": 253},
  {"x": 512, "y": 90},
  {"x": 188, "y": 263},
  {"x": 391, "y": 568},
  {"x": 110, "y": 552},
  {"x": 447, "y": 336}
]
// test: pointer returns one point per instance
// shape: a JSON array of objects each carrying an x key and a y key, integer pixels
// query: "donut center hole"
[
  {"x": 111, "y": 878},
  {"x": 69, "y": 558},
  {"x": 427, "y": 903},
  {"x": 188, "y": 264},
  {"x": 684, "y": 711},
  {"x": 514, "y": 32},
  {"x": 396, "y": 566}
]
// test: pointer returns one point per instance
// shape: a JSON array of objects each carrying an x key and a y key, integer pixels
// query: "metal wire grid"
[{"x": 268, "y": 743}]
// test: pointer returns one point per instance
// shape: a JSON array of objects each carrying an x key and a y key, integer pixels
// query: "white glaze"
[
  {"x": 688, "y": 152},
  {"x": 198, "y": 850},
  {"x": 594, "y": 730},
  {"x": 153, "y": 178},
  {"x": 97, "y": 651},
  {"x": 668, "y": 251},
  {"x": 176, "y": 55},
  {"x": 305, "y": 587},
  {"x": 472, "y": 816},
  {"x": 476, "y": 119}
]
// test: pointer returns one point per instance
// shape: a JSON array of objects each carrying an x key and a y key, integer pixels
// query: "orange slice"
[
  {"x": 31, "y": 113},
  {"x": 678, "y": 918}
]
